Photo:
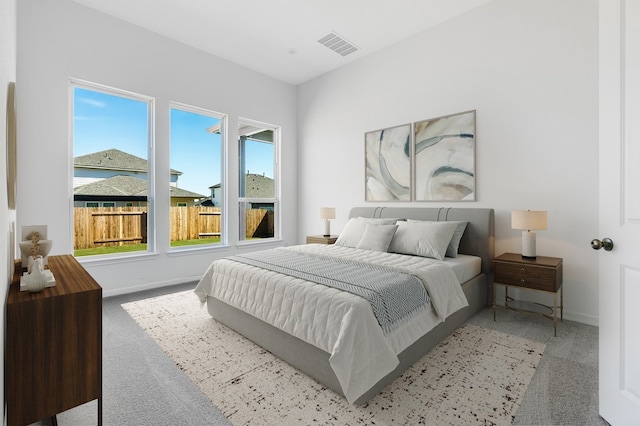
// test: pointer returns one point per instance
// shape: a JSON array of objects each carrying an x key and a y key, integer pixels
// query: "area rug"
[{"x": 475, "y": 376}]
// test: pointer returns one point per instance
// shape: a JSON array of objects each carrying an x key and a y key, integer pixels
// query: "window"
[
  {"x": 196, "y": 176},
  {"x": 258, "y": 197},
  {"x": 111, "y": 175},
  {"x": 114, "y": 180}
]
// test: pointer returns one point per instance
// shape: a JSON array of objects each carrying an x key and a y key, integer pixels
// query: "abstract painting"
[
  {"x": 445, "y": 158},
  {"x": 388, "y": 164}
]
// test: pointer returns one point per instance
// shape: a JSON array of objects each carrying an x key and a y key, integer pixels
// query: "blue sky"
[
  {"x": 194, "y": 151},
  {"x": 103, "y": 121}
]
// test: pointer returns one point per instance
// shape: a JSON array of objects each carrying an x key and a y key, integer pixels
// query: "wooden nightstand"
[
  {"x": 539, "y": 274},
  {"x": 321, "y": 239}
]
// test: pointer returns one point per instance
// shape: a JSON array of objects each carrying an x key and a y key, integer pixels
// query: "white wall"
[
  {"x": 7, "y": 217},
  {"x": 530, "y": 70},
  {"x": 62, "y": 39}
]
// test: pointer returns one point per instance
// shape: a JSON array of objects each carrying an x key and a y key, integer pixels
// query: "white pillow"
[
  {"x": 426, "y": 239},
  {"x": 452, "y": 249},
  {"x": 377, "y": 237},
  {"x": 354, "y": 229}
]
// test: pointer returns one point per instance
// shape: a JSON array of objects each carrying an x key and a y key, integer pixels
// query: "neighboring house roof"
[
  {"x": 118, "y": 186},
  {"x": 183, "y": 193},
  {"x": 258, "y": 186},
  {"x": 114, "y": 159},
  {"x": 114, "y": 186},
  {"x": 205, "y": 202}
]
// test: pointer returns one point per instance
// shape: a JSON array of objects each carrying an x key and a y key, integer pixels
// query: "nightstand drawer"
[{"x": 535, "y": 277}]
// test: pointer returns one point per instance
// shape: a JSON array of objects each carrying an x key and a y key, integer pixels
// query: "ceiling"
[{"x": 279, "y": 38}]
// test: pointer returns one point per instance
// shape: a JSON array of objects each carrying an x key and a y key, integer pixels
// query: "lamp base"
[
  {"x": 327, "y": 228},
  {"x": 528, "y": 245}
]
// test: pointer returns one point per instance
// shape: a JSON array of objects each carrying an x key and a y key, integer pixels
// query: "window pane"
[
  {"x": 257, "y": 180},
  {"x": 257, "y": 170},
  {"x": 195, "y": 177},
  {"x": 259, "y": 220},
  {"x": 110, "y": 171}
]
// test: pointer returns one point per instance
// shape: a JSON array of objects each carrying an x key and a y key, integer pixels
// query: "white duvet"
[{"x": 337, "y": 322}]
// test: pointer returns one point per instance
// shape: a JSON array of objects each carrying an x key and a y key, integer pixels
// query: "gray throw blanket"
[{"x": 393, "y": 295}]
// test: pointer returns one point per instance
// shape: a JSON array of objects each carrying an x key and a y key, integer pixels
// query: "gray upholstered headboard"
[{"x": 478, "y": 238}]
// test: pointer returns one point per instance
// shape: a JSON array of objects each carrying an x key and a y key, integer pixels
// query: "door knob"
[{"x": 606, "y": 243}]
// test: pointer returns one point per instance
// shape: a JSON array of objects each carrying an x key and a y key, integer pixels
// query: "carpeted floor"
[
  {"x": 143, "y": 385},
  {"x": 476, "y": 376}
]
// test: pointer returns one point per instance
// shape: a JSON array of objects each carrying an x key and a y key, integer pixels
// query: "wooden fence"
[
  {"x": 109, "y": 226},
  {"x": 189, "y": 223}
]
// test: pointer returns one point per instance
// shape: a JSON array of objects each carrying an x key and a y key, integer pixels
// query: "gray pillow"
[
  {"x": 377, "y": 237},
  {"x": 426, "y": 239},
  {"x": 354, "y": 229},
  {"x": 454, "y": 244}
]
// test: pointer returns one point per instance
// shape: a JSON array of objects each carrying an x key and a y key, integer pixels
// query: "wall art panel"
[
  {"x": 388, "y": 164},
  {"x": 445, "y": 158}
]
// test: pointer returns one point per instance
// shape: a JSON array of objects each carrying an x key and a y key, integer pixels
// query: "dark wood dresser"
[{"x": 53, "y": 356}]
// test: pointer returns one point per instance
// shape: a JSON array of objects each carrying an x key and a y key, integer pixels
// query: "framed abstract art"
[
  {"x": 388, "y": 164},
  {"x": 444, "y": 158}
]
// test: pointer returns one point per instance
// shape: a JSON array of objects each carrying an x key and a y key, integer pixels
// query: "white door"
[{"x": 620, "y": 211}]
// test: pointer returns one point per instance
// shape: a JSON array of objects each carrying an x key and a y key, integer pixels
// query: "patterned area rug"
[{"x": 475, "y": 376}]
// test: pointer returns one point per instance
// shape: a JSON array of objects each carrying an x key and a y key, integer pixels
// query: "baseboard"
[
  {"x": 150, "y": 286},
  {"x": 581, "y": 318}
]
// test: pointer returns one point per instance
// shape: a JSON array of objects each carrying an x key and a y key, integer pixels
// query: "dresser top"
[{"x": 70, "y": 276}]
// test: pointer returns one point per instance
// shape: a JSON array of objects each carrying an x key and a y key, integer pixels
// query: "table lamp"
[
  {"x": 527, "y": 221},
  {"x": 327, "y": 213}
]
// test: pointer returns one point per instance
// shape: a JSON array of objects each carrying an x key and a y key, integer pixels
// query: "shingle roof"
[
  {"x": 126, "y": 186},
  {"x": 113, "y": 159},
  {"x": 258, "y": 186},
  {"x": 183, "y": 193},
  {"x": 115, "y": 186}
]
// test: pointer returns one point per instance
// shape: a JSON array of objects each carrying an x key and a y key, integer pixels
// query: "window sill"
[
  {"x": 114, "y": 259},
  {"x": 262, "y": 242},
  {"x": 196, "y": 249}
]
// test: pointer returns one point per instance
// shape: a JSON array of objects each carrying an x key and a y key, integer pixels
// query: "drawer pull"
[
  {"x": 522, "y": 281},
  {"x": 521, "y": 269}
]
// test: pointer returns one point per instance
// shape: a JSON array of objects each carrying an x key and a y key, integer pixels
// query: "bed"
[{"x": 337, "y": 337}]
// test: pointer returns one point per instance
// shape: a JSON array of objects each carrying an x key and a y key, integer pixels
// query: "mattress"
[
  {"x": 464, "y": 266},
  {"x": 337, "y": 322}
]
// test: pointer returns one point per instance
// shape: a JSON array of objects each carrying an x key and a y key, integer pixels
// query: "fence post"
[{"x": 143, "y": 227}]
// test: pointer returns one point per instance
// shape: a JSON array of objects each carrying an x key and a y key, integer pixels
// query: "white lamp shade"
[
  {"x": 530, "y": 220},
  {"x": 327, "y": 213}
]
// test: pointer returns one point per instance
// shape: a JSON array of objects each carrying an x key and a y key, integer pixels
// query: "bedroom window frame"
[
  {"x": 243, "y": 200},
  {"x": 151, "y": 168},
  {"x": 221, "y": 129}
]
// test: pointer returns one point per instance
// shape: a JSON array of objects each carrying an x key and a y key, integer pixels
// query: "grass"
[{"x": 140, "y": 247}]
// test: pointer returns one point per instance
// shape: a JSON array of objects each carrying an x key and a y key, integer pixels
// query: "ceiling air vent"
[{"x": 338, "y": 44}]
